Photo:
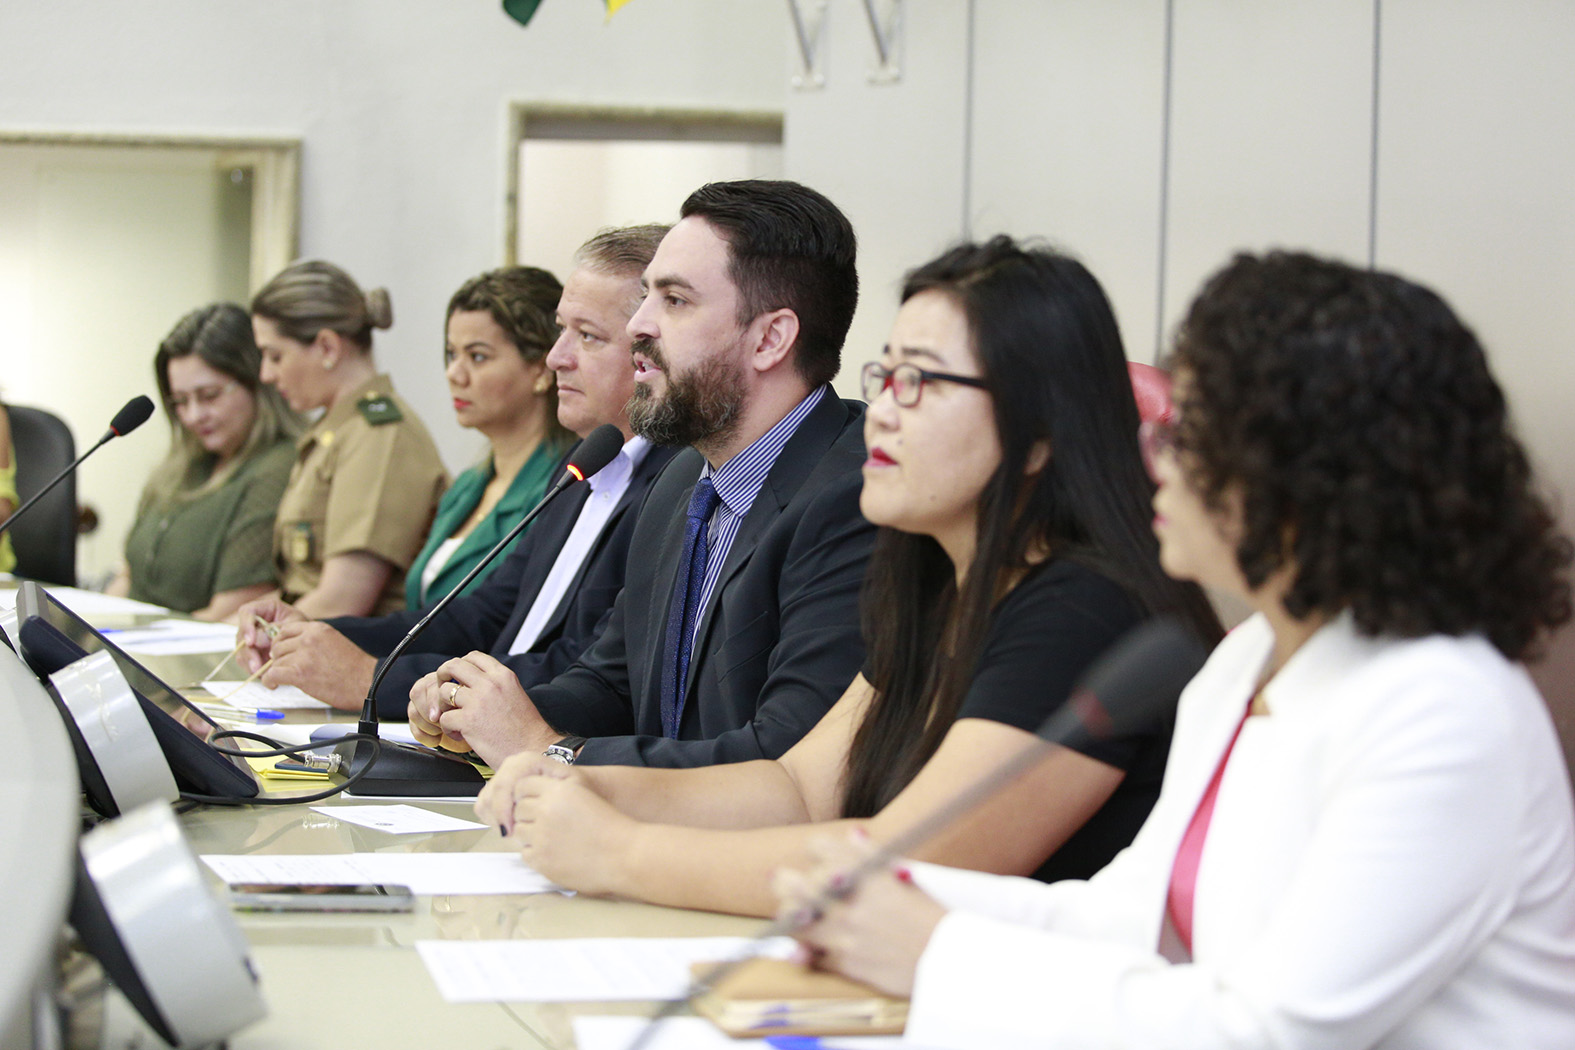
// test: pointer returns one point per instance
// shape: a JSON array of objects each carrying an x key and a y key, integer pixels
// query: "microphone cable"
[{"x": 307, "y": 755}]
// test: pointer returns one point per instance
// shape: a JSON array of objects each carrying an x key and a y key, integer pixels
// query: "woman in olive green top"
[
  {"x": 367, "y": 477},
  {"x": 500, "y": 327},
  {"x": 203, "y": 538}
]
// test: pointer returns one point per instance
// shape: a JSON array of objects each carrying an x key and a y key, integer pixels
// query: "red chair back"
[{"x": 1151, "y": 389}]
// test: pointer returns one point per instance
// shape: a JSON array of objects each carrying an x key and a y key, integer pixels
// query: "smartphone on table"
[{"x": 363, "y": 896}]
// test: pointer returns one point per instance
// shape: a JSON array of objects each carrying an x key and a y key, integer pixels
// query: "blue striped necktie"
[{"x": 684, "y": 608}]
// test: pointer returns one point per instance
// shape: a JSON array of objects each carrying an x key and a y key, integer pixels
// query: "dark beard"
[{"x": 702, "y": 405}]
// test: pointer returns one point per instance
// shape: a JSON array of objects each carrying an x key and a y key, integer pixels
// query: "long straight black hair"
[{"x": 1050, "y": 352}]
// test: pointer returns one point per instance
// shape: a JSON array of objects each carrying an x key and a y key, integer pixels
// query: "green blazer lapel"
[{"x": 528, "y": 486}]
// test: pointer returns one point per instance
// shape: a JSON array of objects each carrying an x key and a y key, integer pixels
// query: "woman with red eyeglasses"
[
  {"x": 1003, "y": 468},
  {"x": 1365, "y": 835}
]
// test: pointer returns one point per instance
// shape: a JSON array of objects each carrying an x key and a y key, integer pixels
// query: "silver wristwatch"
[{"x": 565, "y": 750}]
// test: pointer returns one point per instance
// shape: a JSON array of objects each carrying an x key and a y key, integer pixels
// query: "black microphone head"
[
  {"x": 1132, "y": 686},
  {"x": 596, "y": 451},
  {"x": 133, "y": 415}
]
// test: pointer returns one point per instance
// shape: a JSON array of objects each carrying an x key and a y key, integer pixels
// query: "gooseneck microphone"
[
  {"x": 1129, "y": 687},
  {"x": 131, "y": 416},
  {"x": 405, "y": 770}
]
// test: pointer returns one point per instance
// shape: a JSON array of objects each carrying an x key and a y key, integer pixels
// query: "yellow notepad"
[{"x": 268, "y": 767}]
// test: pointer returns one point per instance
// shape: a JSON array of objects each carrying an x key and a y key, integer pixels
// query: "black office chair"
[{"x": 45, "y": 538}]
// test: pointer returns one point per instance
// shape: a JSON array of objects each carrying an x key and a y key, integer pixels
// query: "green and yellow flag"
[{"x": 522, "y": 11}]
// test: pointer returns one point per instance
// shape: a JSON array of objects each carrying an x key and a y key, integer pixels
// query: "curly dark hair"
[{"x": 1357, "y": 417}]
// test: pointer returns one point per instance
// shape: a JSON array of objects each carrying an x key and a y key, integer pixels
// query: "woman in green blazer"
[{"x": 500, "y": 327}]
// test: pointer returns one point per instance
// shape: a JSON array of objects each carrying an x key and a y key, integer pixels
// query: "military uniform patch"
[
  {"x": 378, "y": 409},
  {"x": 300, "y": 541}
]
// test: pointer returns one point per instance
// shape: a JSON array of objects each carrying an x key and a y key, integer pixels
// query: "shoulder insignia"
[{"x": 378, "y": 409}]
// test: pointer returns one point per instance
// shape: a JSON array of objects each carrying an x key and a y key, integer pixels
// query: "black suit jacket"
[
  {"x": 488, "y": 618},
  {"x": 779, "y": 642}
]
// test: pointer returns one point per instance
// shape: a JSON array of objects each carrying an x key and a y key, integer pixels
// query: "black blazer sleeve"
[
  {"x": 472, "y": 622},
  {"x": 488, "y": 618},
  {"x": 591, "y": 698}
]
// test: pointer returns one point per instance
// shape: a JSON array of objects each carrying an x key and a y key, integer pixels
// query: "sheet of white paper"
[
  {"x": 284, "y": 732},
  {"x": 427, "y": 874},
  {"x": 253, "y": 695},
  {"x": 696, "y": 1033},
  {"x": 90, "y": 604},
  {"x": 675, "y": 1033},
  {"x": 592, "y": 969},
  {"x": 398, "y": 819},
  {"x": 398, "y": 732},
  {"x": 175, "y": 638}
]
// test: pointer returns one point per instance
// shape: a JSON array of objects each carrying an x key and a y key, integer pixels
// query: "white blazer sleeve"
[{"x": 1419, "y": 850}]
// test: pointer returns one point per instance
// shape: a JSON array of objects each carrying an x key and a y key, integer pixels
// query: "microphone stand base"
[{"x": 408, "y": 771}]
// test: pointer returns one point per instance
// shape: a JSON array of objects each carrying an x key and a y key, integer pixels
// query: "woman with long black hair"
[
  {"x": 1005, "y": 473},
  {"x": 1365, "y": 837}
]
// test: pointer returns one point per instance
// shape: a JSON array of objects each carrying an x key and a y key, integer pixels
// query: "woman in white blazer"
[{"x": 1364, "y": 837}]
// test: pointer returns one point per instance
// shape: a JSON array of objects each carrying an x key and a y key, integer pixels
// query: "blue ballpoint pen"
[{"x": 816, "y": 1042}]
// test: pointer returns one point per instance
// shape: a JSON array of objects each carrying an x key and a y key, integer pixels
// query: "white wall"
[
  {"x": 1475, "y": 197},
  {"x": 401, "y": 107},
  {"x": 1068, "y": 114},
  {"x": 1269, "y": 135},
  {"x": 1153, "y": 138},
  {"x": 101, "y": 252},
  {"x": 569, "y": 187},
  {"x": 890, "y": 156}
]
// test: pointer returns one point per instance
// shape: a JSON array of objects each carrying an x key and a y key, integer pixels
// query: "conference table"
[
  {"x": 342, "y": 979},
  {"x": 337, "y": 980}
]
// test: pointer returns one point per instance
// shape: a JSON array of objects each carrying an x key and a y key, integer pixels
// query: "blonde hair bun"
[{"x": 379, "y": 308}]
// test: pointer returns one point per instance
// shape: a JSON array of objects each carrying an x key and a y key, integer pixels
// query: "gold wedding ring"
[{"x": 453, "y": 691}]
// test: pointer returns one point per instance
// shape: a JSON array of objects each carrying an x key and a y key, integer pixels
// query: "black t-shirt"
[{"x": 1042, "y": 637}]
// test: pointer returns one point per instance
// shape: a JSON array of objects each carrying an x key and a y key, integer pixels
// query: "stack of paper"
[
  {"x": 90, "y": 605},
  {"x": 252, "y": 696},
  {"x": 175, "y": 638},
  {"x": 427, "y": 874}
]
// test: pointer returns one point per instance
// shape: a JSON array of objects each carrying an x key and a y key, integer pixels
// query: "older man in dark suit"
[
  {"x": 547, "y": 601},
  {"x": 738, "y": 624}
]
